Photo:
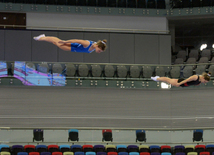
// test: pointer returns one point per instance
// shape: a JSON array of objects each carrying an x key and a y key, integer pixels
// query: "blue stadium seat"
[
  {"x": 140, "y": 135},
  {"x": 154, "y": 148},
  {"x": 76, "y": 148},
  {"x": 134, "y": 153},
  {"x": 4, "y": 147},
  {"x": 166, "y": 153},
  {"x": 90, "y": 153},
  {"x": 64, "y": 148},
  {"x": 41, "y": 148},
  {"x": 73, "y": 135},
  {"x": 210, "y": 148},
  {"x": 22, "y": 153},
  {"x": 197, "y": 135},
  {"x": 79, "y": 153},
  {"x": 121, "y": 148}
]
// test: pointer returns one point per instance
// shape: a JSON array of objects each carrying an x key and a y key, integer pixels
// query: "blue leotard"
[{"x": 76, "y": 47}]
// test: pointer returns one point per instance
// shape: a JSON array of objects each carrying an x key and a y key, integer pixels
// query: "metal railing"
[{"x": 85, "y": 29}]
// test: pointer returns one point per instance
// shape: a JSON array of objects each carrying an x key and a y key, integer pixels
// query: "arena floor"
[{"x": 106, "y": 107}]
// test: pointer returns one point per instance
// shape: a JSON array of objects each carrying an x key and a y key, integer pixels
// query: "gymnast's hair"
[
  {"x": 102, "y": 44},
  {"x": 206, "y": 76}
]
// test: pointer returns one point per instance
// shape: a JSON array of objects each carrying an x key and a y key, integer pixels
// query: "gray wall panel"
[
  {"x": 41, "y": 50},
  {"x": 2, "y": 52},
  {"x": 146, "y": 49},
  {"x": 97, "y": 57},
  {"x": 17, "y": 45},
  {"x": 66, "y": 56},
  {"x": 57, "y": 20},
  {"x": 165, "y": 49},
  {"x": 121, "y": 48}
]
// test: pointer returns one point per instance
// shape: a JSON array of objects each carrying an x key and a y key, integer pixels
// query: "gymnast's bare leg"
[
  {"x": 173, "y": 82},
  {"x": 55, "y": 41}
]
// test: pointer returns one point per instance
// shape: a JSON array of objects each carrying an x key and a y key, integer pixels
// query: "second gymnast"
[
  {"x": 75, "y": 45},
  {"x": 192, "y": 80}
]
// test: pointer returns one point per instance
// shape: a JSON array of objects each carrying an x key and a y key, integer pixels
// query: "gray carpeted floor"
[{"x": 105, "y": 107}]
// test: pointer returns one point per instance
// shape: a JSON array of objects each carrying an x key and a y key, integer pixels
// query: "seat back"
[
  {"x": 29, "y": 148},
  {"x": 87, "y": 148},
  {"x": 5, "y": 153},
  {"x": 112, "y": 153},
  {"x": 90, "y": 153},
  {"x": 76, "y": 148},
  {"x": 83, "y": 70},
  {"x": 64, "y": 148},
  {"x": 101, "y": 153},
  {"x": 68, "y": 153},
  {"x": 107, "y": 135},
  {"x": 189, "y": 148},
  {"x": 121, "y": 148},
  {"x": 70, "y": 70},
  {"x": 134, "y": 153},
  {"x": 178, "y": 149},
  {"x": 204, "y": 153},
  {"x": 187, "y": 71},
  {"x": 123, "y": 153},
  {"x": 33, "y": 153},
  {"x": 166, "y": 153},
  {"x": 79, "y": 153},
  {"x": 41, "y": 148},
  {"x": 73, "y": 135},
  {"x": 134, "y": 71},
  {"x": 53, "y": 148},
  {"x": 121, "y": 71},
  {"x": 110, "y": 148},
  {"x": 166, "y": 148},
  {"x": 203, "y": 60},
  {"x": 143, "y": 148},
  {"x": 191, "y": 61},
  {"x": 192, "y": 153},
  {"x": 4, "y": 148},
  {"x": 155, "y": 148},
  {"x": 109, "y": 70},
  {"x": 160, "y": 71},
  {"x": 22, "y": 153},
  {"x": 99, "y": 148},
  {"x": 210, "y": 147},
  {"x": 200, "y": 69},
  {"x": 179, "y": 61},
  {"x": 182, "y": 54},
  {"x": 38, "y": 135},
  {"x": 198, "y": 135},
  {"x": 16, "y": 149},
  {"x": 140, "y": 135},
  {"x": 147, "y": 71},
  {"x": 206, "y": 53},
  {"x": 43, "y": 68},
  {"x": 56, "y": 153},
  {"x": 57, "y": 68},
  {"x": 96, "y": 70},
  {"x": 175, "y": 72},
  {"x": 194, "y": 54},
  {"x": 132, "y": 148}
]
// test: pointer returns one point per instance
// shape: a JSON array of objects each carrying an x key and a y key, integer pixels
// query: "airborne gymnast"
[
  {"x": 191, "y": 81},
  {"x": 75, "y": 45}
]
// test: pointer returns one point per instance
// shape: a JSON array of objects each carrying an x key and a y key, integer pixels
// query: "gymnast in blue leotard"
[{"x": 75, "y": 45}]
